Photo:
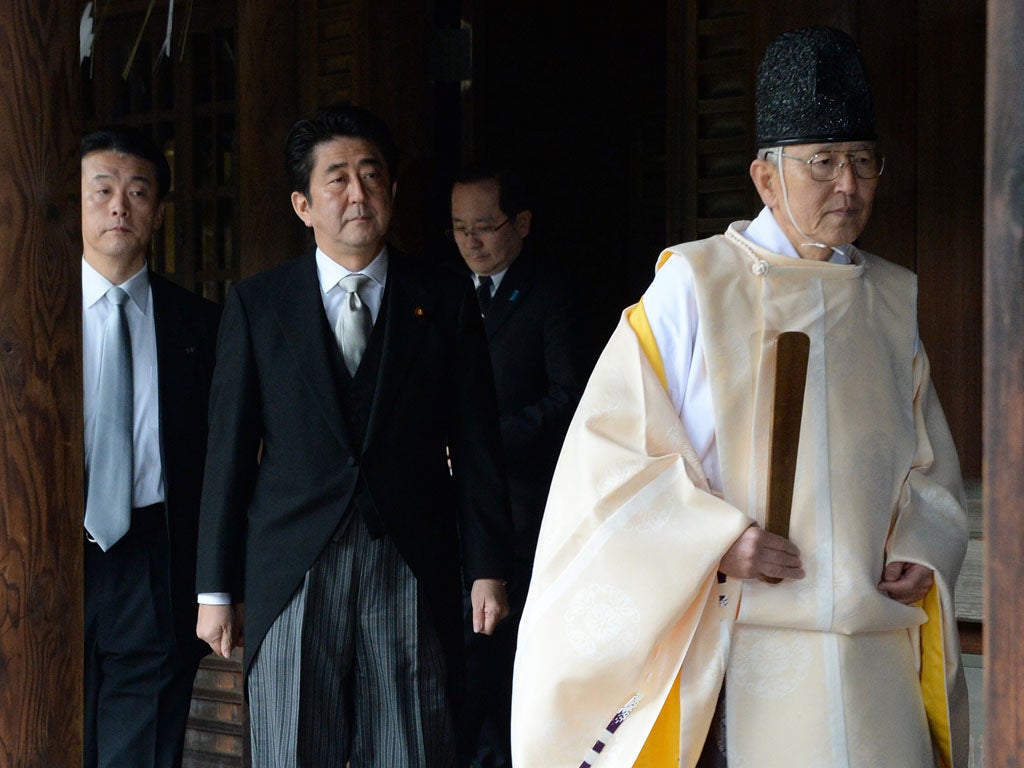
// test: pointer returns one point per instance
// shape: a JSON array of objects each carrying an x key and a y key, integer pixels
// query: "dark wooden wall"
[
  {"x": 574, "y": 98},
  {"x": 934, "y": 212},
  {"x": 268, "y": 104},
  {"x": 925, "y": 59},
  {"x": 1004, "y": 384},
  {"x": 636, "y": 123},
  {"x": 41, "y": 505},
  {"x": 580, "y": 98}
]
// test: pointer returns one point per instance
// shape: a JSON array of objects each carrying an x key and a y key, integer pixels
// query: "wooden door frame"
[{"x": 1003, "y": 478}]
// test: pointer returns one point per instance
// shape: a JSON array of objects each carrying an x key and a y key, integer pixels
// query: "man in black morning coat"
[{"x": 345, "y": 380}]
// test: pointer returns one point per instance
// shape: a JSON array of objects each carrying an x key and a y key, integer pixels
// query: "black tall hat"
[{"x": 811, "y": 89}]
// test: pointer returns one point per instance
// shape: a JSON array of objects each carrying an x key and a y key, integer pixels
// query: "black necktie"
[{"x": 483, "y": 294}]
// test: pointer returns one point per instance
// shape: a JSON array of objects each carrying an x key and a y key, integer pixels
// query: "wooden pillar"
[
  {"x": 1004, "y": 385},
  {"x": 268, "y": 106},
  {"x": 40, "y": 386}
]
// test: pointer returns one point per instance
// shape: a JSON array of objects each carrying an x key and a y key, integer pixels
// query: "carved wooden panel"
[
  {"x": 188, "y": 102},
  {"x": 714, "y": 118}
]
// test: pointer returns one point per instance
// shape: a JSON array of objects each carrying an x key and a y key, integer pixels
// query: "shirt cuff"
[{"x": 214, "y": 598}]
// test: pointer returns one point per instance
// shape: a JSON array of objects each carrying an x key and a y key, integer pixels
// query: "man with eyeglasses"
[
  {"x": 655, "y": 578},
  {"x": 538, "y": 353}
]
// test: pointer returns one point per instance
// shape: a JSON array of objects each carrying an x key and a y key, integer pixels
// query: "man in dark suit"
[
  {"x": 345, "y": 381},
  {"x": 148, "y": 359},
  {"x": 538, "y": 353}
]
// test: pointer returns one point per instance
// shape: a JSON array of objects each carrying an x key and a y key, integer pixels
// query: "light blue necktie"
[{"x": 108, "y": 505}]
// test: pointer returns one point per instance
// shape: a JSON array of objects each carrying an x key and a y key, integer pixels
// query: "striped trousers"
[{"x": 352, "y": 670}]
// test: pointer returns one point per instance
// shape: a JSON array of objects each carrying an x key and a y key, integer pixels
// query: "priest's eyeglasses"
[
  {"x": 476, "y": 232},
  {"x": 827, "y": 165}
]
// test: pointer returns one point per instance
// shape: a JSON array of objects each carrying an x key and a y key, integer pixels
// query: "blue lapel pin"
[{"x": 514, "y": 294}]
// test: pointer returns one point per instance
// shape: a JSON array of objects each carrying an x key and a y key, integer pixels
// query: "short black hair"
[
  {"x": 513, "y": 196},
  {"x": 326, "y": 124},
  {"x": 129, "y": 141}
]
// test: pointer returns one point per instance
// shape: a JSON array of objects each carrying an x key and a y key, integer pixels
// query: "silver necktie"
[
  {"x": 354, "y": 323},
  {"x": 108, "y": 505}
]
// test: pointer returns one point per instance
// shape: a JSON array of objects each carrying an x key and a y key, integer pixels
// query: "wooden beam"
[
  {"x": 268, "y": 106},
  {"x": 1004, "y": 384},
  {"x": 41, "y": 506}
]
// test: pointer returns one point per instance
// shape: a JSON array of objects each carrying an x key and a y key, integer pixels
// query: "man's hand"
[
  {"x": 760, "y": 553},
  {"x": 221, "y": 627},
  {"x": 490, "y": 604},
  {"x": 906, "y": 582}
]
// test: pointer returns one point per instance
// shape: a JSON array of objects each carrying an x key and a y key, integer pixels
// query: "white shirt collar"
[
  {"x": 766, "y": 232},
  {"x": 331, "y": 272},
  {"x": 95, "y": 286},
  {"x": 495, "y": 279}
]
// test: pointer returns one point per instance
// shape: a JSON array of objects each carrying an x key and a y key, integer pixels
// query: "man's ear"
[
  {"x": 522, "y": 223},
  {"x": 765, "y": 177},
  {"x": 158, "y": 217},
  {"x": 301, "y": 206}
]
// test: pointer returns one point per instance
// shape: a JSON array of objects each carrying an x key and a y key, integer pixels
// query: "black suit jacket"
[
  {"x": 186, "y": 335},
  {"x": 541, "y": 360},
  {"x": 268, "y": 512}
]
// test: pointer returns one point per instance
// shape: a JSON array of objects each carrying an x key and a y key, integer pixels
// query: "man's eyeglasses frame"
[
  {"x": 815, "y": 167},
  {"x": 476, "y": 232}
]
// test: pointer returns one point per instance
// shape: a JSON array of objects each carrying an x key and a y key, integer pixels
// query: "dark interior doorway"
[{"x": 576, "y": 102}]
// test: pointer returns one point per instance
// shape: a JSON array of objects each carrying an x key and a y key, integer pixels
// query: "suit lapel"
[
  {"x": 408, "y": 311},
  {"x": 300, "y": 314},
  {"x": 179, "y": 359},
  {"x": 509, "y": 296},
  {"x": 172, "y": 348}
]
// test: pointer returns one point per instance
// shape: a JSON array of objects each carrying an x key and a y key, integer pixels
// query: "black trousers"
[
  {"x": 137, "y": 686},
  {"x": 484, "y": 737},
  {"x": 486, "y": 714}
]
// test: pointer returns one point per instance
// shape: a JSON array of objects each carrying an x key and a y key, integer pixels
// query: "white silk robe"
[{"x": 626, "y": 622}]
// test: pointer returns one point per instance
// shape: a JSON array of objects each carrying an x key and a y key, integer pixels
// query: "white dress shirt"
[
  {"x": 495, "y": 280},
  {"x": 148, "y": 477},
  {"x": 331, "y": 273}
]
